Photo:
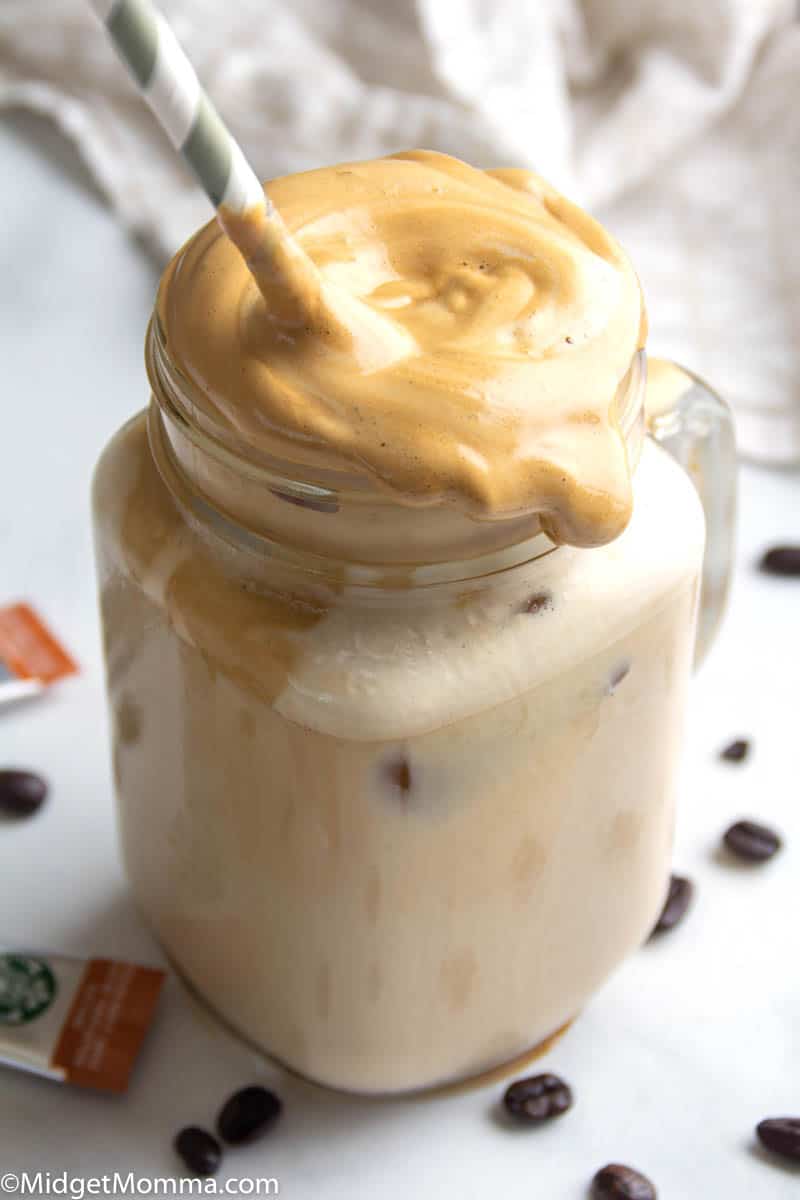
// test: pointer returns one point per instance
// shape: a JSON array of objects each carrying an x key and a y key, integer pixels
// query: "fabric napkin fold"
[{"x": 676, "y": 122}]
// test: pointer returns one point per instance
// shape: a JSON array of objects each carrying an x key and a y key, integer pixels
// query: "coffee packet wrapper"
[
  {"x": 31, "y": 657},
  {"x": 75, "y": 1020}
]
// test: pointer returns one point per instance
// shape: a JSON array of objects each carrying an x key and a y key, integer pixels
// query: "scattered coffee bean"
[
  {"x": 537, "y": 603},
  {"x": 781, "y": 1135},
  {"x": 200, "y": 1150},
  {"x": 736, "y": 752},
  {"x": 781, "y": 560},
  {"x": 679, "y": 897},
  {"x": 751, "y": 841},
  {"x": 621, "y": 1183},
  {"x": 537, "y": 1098},
  {"x": 21, "y": 793},
  {"x": 247, "y": 1114}
]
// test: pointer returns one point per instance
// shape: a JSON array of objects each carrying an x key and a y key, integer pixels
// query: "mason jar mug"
[{"x": 397, "y": 814}]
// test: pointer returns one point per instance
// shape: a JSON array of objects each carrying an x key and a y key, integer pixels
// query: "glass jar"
[{"x": 395, "y": 817}]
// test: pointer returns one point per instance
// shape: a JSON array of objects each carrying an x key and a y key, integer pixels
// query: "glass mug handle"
[{"x": 695, "y": 426}]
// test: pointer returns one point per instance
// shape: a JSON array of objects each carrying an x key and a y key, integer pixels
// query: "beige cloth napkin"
[{"x": 676, "y": 121}]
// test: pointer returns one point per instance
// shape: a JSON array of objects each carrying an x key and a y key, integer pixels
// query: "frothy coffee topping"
[{"x": 483, "y": 329}]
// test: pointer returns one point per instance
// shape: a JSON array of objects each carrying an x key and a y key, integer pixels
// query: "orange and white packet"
[
  {"x": 31, "y": 656},
  {"x": 75, "y": 1020}
]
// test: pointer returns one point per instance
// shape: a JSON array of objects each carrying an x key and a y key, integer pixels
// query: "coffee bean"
[
  {"x": 21, "y": 793},
  {"x": 736, "y": 752},
  {"x": 537, "y": 603},
  {"x": 751, "y": 841},
  {"x": 781, "y": 560},
  {"x": 781, "y": 1135},
  {"x": 537, "y": 1098},
  {"x": 200, "y": 1150},
  {"x": 622, "y": 1183},
  {"x": 247, "y": 1114},
  {"x": 679, "y": 897}
]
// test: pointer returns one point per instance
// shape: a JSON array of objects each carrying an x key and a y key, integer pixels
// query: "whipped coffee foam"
[{"x": 501, "y": 322}]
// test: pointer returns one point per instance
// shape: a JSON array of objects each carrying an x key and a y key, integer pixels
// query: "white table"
[{"x": 689, "y": 1045}]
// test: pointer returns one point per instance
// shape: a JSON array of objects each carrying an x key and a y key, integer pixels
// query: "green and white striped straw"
[{"x": 170, "y": 86}]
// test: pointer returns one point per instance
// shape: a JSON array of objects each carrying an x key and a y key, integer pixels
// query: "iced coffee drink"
[{"x": 398, "y": 636}]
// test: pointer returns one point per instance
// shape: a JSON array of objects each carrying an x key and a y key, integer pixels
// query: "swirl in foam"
[{"x": 488, "y": 327}]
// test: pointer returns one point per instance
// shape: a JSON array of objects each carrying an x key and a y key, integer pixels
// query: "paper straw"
[{"x": 170, "y": 86}]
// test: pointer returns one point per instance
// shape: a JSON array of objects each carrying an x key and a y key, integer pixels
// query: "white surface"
[
  {"x": 690, "y": 1044},
  {"x": 677, "y": 121}
]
